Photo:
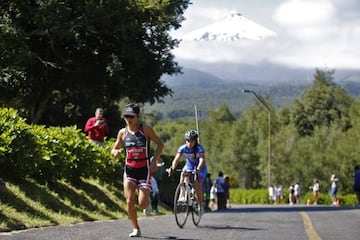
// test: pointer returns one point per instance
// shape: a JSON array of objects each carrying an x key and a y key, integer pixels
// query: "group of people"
[
  {"x": 294, "y": 193},
  {"x": 356, "y": 186},
  {"x": 333, "y": 190},
  {"x": 294, "y": 190},
  {"x": 216, "y": 193},
  {"x": 139, "y": 167},
  {"x": 275, "y": 194}
]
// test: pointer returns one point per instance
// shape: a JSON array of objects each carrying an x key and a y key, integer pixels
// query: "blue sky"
[{"x": 310, "y": 33}]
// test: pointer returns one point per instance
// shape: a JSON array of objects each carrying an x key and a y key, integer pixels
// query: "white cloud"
[
  {"x": 303, "y": 13},
  {"x": 310, "y": 33},
  {"x": 214, "y": 51},
  {"x": 316, "y": 35}
]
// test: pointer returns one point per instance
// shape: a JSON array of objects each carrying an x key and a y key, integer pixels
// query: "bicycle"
[{"x": 185, "y": 200}]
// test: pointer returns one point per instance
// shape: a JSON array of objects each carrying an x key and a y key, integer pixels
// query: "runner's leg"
[{"x": 130, "y": 195}]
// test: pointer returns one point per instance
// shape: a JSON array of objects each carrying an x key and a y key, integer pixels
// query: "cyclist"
[{"x": 194, "y": 154}]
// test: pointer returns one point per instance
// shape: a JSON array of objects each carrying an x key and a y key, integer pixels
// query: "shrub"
[
  {"x": 48, "y": 154},
  {"x": 18, "y": 146},
  {"x": 247, "y": 196},
  {"x": 260, "y": 196}
]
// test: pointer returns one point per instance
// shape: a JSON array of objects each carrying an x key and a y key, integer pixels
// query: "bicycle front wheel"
[
  {"x": 196, "y": 215},
  {"x": 181, "y": 205}
]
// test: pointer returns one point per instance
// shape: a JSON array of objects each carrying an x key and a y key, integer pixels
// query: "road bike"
[{"x": 185, "y": 200}]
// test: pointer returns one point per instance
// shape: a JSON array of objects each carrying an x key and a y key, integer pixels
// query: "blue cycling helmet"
[{"x": 190, "y": 135}]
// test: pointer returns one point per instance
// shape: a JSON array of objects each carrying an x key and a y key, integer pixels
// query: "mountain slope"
[
  {"x": 195, "y": 87},
  {"x": 232, "y": 28},
  {"x": 192, "y": 78},
  {"x": 209, "y": 92}
]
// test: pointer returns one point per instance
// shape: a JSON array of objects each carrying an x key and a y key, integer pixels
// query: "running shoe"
[
  {"x": 200, "y": 211},
  {"x": 135, "y": 233}
]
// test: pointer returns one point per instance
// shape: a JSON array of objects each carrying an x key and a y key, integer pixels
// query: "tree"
[
  {"x": 322, "y": 104},
  {"x": 63, "y": 58},
  {"x": 222, "y": 114},
  {"x": 243, "y": 160}
]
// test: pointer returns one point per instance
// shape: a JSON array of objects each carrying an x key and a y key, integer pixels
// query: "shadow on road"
[
  {"x": 169, "y": 237},
  {"x": 282, "y": 208},
  {"x": 227, "y": 227}
]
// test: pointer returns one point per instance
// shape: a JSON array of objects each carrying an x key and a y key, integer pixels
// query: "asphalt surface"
[{"x": 239, "y": 222}]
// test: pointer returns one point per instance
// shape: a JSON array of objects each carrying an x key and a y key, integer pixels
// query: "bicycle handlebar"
[
  {"x": 170, "y": 170},
  {"x": 185, "y": 171}
]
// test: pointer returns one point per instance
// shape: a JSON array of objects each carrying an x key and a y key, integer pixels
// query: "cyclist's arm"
[
  {"x": 175, "y": 161},
  {"x": 201, "y": 163}
]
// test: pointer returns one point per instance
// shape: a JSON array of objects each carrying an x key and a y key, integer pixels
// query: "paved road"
[{"x": 239, "y": 222}]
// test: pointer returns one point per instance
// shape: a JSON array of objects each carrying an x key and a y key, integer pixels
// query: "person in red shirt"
[{"x": 97, "y": 127}]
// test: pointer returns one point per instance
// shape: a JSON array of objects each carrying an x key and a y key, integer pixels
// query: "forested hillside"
[
  {"x": 313, "y": 133},
  {"x": 209, "y": 92}
]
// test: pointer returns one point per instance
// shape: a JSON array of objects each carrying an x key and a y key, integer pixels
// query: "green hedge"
[
  {"x": 18, "y": 146},
  {"x": 50, "y": 153},
  {"x": 247, "y": 196},
  {"x": 261, "y": 196},
  {"x": 324, "y": 199}
]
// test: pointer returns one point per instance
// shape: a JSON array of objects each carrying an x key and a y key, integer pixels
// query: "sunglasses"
[{"x": 128, "y": 116}]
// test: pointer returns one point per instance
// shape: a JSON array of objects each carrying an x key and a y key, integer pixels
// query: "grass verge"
[{"x": 28, "y": 204}]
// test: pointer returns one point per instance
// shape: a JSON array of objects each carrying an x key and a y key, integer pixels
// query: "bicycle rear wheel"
[
  {"x": 181, "y": 206},
  {"x": 196, "y": 215}
]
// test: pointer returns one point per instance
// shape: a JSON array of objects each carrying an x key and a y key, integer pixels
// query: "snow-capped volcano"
[{"x": 232, "y": 28}]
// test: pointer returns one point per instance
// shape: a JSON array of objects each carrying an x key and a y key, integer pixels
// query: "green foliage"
[
  {"x": 324, "y": 199},
  {"x": 303, "y": 148},
  {"x": 236, "y": 146},
  {"x": 28, "y": 204},
  {"x": 322, "y": 104},
  {"x": 173, "y": 134},
  {"x": 222, "y": 114},
  {"x": 246, "y": 196},
  {"x": 261, "y": 196},
  {"x": 53, "y": 153},
  {"x": 18, "y": 147},
  {"x": 244, "y": 156},
  {"x": 62, "y": 59},
  {"x": 239, "y": 146}
]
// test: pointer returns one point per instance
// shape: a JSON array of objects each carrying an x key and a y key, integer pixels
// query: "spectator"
[
  {"x": 357, "y": 183},
  {"x": 333, "y": 189},
  {"x": 97, "y": 127},
  {"x": 279, "y": 194},
  {"x": 316, "y": 189},
  {"x": 291, "y": 195},
  {"x": 226, "y": 187},
  {"x": 297, "y": 193},
  {"x": 213, "y": 197},
  {"x": 272, "y": 194},
  {"x": 220, "y": 193},
  {"x": 206, "y": 190},
  {"x": 154, "y": 195}
]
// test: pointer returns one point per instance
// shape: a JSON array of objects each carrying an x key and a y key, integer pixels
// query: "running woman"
[{"x": 135, "y": 139}]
